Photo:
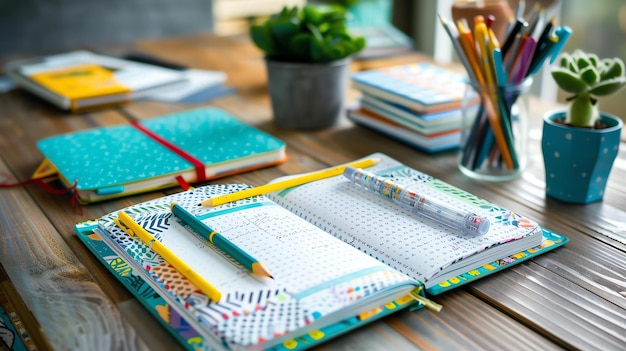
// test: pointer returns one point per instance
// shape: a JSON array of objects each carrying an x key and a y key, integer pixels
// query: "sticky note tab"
[{"x": 110, "y": 190}]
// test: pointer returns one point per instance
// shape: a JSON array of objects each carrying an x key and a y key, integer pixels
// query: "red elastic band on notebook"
[{"x": 197, "y": 164}]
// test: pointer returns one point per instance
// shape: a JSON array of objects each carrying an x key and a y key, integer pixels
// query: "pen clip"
[{"x": 563, "y": 33}]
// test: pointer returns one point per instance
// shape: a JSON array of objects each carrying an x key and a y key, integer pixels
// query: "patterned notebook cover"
[
  {"x": 142, "y": 288},
  {"x": 432, "y": 143},
  {"x": 112, "y": 160},
  {"x": 253, "y": 312},
  {"x": 175, "y": 290},
  {"x": 423, "y": 87}
]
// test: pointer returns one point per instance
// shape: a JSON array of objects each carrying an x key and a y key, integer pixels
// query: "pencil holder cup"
[{"x": 494, "y": 136}]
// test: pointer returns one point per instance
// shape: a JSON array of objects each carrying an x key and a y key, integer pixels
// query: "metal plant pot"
[{"x": 307, "y": 96}]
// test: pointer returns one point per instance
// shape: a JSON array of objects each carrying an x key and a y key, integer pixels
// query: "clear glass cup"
[{"x": 494, "y": 131}]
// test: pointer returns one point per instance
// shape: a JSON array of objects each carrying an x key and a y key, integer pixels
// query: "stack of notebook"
[{"x": 419, "y": 104}]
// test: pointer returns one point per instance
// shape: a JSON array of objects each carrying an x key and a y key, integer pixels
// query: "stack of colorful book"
[{"x": 418, "y": 104}]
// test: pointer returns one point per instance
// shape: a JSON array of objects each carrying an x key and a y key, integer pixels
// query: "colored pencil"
[
  {"x": 221, "y": 242},
  {"x": 131, "y": 227},
  {"x": 288, "y": 183}
]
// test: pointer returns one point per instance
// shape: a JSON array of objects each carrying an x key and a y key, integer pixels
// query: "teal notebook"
[
  {"x": 193, "y": 145},
  {"x": 13, "y": 337},
  {"x": 433, "y": 257}
]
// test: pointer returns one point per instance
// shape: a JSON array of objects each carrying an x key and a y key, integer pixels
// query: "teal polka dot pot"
[{"x": 578, "y": 160}]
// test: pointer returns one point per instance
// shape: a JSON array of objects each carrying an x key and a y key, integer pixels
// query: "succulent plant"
[
  {"x": 586, "y": 76},
  {"x": 312, "y": 34}
]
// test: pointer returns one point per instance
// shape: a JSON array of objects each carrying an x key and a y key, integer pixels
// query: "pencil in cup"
[
  {"x": 246, "y": 260},
  {"x": 133, "y": 228},
  {"x": 480, "y": 138}
]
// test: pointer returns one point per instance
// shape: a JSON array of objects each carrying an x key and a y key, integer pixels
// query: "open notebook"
[
  {"x": 184, "y": 147},
  {"x": 341, "y": 257}
]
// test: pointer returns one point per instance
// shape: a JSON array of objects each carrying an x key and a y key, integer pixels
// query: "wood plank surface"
[{"x": 572, "y": 298}]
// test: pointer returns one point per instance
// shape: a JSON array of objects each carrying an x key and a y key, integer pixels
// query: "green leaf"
[
  {"x": 317, "y": 50},
  {"x": 614, "y": 68},
  {"x": 582, "y": 62},
  {"x": 315, "y": 32},
  {"x": 567, "y": 62},
  {"x": 300, "y": 45},
  {"x": 568, "y": 81},
  {"x": 337, "y": 29},
  {"x": 590, "y": 75},
  {"x": 284, "y": 29},
  {"x": 335, "y": 16},
  {"x": 608, "y": 87},
  {"x": 360, "y": 43},
  {"x": 299, "y": 35},
  {"x": 262, "y": 38},
  {"x": 312, "y": 15},
  {"x": 593, "y": 59}
]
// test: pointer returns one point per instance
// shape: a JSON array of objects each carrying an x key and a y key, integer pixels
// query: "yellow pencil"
[
  {"x": 131, "y": 227},
  {"x": 468, "y": 44},
  {"x": 303, "y": 179}
]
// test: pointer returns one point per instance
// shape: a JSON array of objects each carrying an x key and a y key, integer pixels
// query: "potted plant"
[
  {"x": 579, "y": 145},
  {"x": 307, "y": 55}
]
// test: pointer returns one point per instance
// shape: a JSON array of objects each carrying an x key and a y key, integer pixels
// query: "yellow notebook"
[{"x": 82, "y": 80}]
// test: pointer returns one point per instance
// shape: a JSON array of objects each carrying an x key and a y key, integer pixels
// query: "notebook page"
[
  {"x": 388, "y": 232},
  {"x": 315, "y": 274}
]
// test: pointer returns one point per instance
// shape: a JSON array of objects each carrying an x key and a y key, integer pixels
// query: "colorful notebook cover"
[
  {"x": 196, "y": 145},
  {"x": 143, "y": 288},
  {"x": 12, "y": 333},
  {"x": 80, "y": 80},
  {"x": 421, "y": 123},
  {"x": 423, "y": 87},
  {"x": 435, "y": 142},
  {"x": 296, "y": 299},
  {"x": 105, "y": 236}
]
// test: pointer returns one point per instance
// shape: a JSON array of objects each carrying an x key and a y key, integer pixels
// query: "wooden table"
[{"x": 572, "y": 298}]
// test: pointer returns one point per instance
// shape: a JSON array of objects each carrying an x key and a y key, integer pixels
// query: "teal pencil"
[{"x": 217, "y": 239}]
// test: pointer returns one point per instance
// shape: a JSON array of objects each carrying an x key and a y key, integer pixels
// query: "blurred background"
[{"x": 33, "y": 27}]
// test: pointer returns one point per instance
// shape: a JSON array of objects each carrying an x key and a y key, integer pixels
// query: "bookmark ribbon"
[
  {"x": 197, "y": 164},
  {"x": 42, "y": 182}
]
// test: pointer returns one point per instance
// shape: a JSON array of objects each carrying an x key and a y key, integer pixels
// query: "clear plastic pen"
[{"x": 441, "y": 212}]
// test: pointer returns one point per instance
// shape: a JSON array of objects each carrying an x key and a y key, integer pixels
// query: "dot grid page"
[
  {"x": 315, "y": 274},
  {"x": 298, "y": 256},
  {"x": 385, "y": 230}
]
